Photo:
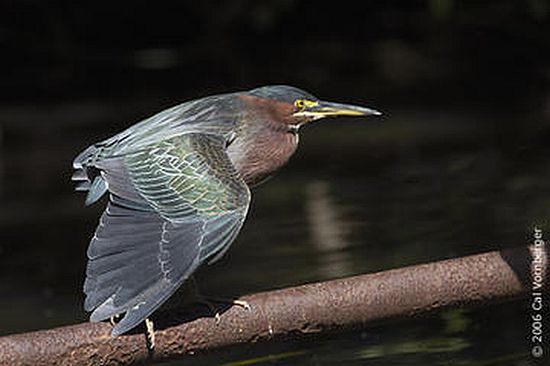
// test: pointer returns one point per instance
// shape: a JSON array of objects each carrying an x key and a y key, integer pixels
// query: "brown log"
[{"x": 295, "y": 312}]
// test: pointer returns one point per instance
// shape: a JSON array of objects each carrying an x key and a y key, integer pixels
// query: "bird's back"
[
  {"x": 210, "y": 115},
  {"x": 214, "y": 115}
]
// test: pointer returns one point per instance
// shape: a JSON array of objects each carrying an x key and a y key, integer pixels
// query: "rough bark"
[{"x": 295, "y": 312}]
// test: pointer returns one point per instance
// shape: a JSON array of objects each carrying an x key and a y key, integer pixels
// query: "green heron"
[{"x": 179, "y": 190}]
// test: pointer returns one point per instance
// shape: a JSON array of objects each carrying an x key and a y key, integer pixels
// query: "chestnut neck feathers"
[{"x": 265, "y": 139}]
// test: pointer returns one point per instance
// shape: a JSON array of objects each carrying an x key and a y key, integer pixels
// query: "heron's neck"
[{"x": 261, "y": 147}]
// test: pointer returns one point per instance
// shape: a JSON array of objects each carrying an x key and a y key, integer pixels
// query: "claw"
[
  {"x": 245, "y": 305},
  {"x": 208, "y": 302},
  {"x": 115, "y": 319}
]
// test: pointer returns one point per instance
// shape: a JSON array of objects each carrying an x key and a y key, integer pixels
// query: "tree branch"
[{"x": 289, "y": 313}]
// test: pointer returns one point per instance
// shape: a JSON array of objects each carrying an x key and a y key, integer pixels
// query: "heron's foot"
[
  {"x": 243, "y": 304},
  {"x": 210, "y": 305},
  {"x": 210, "y": 301},
  {"x": 150, "y": 335}
]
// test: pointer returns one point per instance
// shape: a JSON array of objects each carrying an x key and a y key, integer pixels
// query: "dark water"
[{"x": 359, "y": 197}]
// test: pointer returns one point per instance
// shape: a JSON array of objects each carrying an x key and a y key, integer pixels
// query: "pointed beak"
[{"x": 327, "y": 109}]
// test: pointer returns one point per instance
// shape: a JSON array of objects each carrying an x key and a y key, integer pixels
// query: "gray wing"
[
  {"x": 209, "y": 115},
  {"x": 172, "y": 206}
]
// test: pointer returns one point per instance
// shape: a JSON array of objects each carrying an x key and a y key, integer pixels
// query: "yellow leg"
[
  {"x": 149, "y": 331},
  {"x": 150, "y": 335}
]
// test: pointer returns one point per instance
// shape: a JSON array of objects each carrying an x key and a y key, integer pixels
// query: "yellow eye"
[{"x": 300, "y": 103}]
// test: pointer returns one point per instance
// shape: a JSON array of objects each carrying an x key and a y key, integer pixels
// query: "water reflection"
[
  {"x": 328, "y": 231},
  {"x": 379, "y": 200}
]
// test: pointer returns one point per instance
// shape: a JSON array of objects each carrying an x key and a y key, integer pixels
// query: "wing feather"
[{"x": 172, "y": 206}]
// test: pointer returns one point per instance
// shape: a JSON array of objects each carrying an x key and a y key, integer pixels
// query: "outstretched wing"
[{"x": 172, "y": 206}]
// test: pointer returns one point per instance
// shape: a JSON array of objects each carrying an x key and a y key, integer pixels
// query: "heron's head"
[{"x": 296, "y": 107}]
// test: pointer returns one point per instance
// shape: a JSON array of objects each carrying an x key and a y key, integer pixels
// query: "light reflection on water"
[
  {"x": 354, "y": 200},
  {"x": 328, "y": 229}
]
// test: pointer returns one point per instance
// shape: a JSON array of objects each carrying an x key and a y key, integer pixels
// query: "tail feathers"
[
  {"x": 83, "y": 186},
  {"x": 80, "y": 175},
  {"x": 85, "y": 157},
  {"x": 97, "y": 189},
  {"x": 87, "y": 177}
]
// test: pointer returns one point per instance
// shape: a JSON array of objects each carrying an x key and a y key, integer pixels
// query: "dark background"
[
  {"x": 457, "y": 165},
  {"x": 445, "y": 52}
]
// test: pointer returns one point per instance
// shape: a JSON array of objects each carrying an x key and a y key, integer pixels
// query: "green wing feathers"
[{"x": 189, "y": 172}]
